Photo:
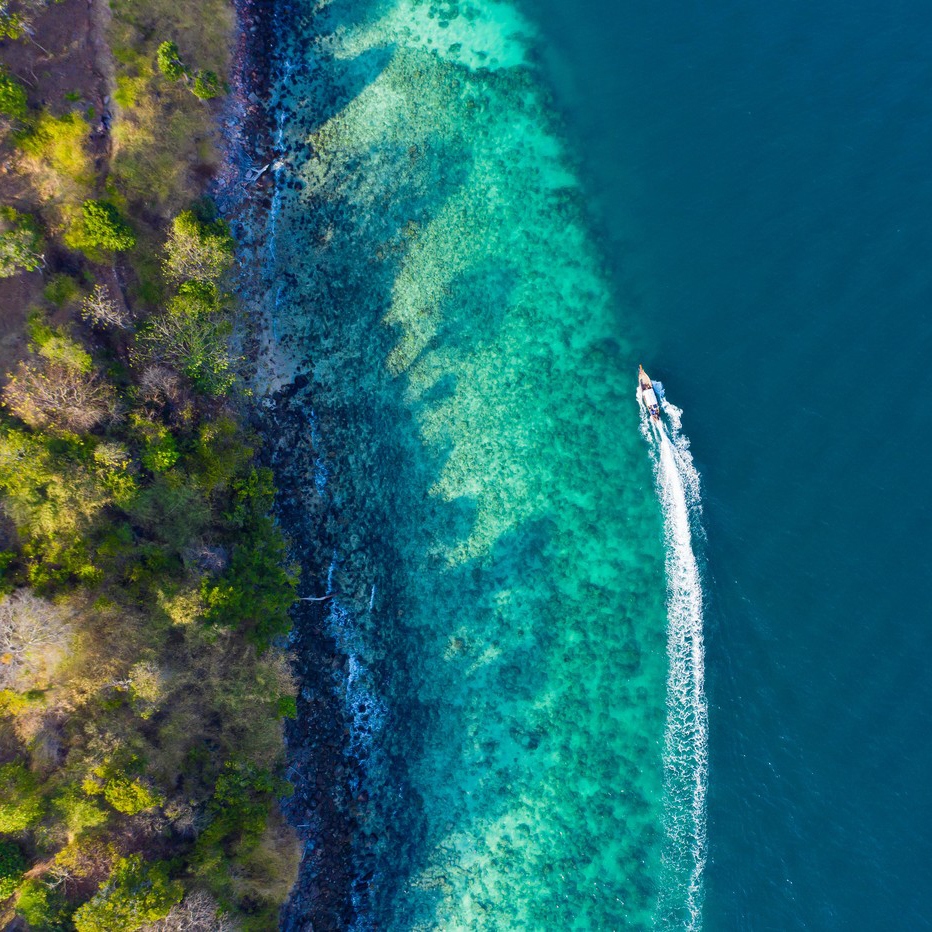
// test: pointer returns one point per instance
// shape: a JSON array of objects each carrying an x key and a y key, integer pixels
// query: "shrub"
[
  {"x": 12, "y": 96},
  {"x": 287, "y": 707},
  {"x": 61, "y": 289},
  {"x": 21, "y": 802},
  {"x": 100, "y": 227},
  {"x": 60, "y": 145},
  {"x": 147, "y": 687},
  {"x": 76, "y": 812},
  {"x": 12, "y": 868},
  {"x": 207, "y": 85},
  {"x": 56, "y": 345},
  {"x": 135, "y": 893},
  {"x": 197, "y": 249},
  {"x": 20, "y": 243},
  {"x": 130, "y": 796},
  {"x": 168, "y": 58}
]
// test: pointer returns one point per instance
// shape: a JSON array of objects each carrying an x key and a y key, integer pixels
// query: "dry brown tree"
[
  {"x": 101, "y": 309},
  {"x": 197, "y": 912},
  {"x": 49, "y": 394},
  {"x": 159, "y": 383},
  {"x": 33, "y": 633}
]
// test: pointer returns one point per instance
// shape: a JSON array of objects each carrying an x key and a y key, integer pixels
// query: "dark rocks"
[{"x": 320, "y": 765}]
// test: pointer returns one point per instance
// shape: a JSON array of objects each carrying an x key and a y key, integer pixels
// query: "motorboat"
[{"x": 647, "y": 396}]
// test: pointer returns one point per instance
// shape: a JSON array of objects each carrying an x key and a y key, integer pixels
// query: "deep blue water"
[{"x": 762, "y": 172}]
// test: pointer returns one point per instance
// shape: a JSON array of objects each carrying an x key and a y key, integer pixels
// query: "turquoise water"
[
  {"x": 761, "y": 171},
  {"x": 495, "y": 544}
]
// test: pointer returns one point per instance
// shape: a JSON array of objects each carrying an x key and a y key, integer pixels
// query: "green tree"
[
  {"x": 101, "y": 227},
  {"x": 195, "y": 299},
  {"x": 257, "y": 589},
  {"x": 198, "y": 250},
  {"x": 55, "y": 344},
  {"x": 41, "y": 907},
  {"x": 20, "y": 243},
  {"x": 169, "y": 61},
  {"x": 75, "y": 811},
  {"x": 171, "y": 508},
  {"x": 12, "y": 25},
  {"x": 160, "y": 452},
  {"x": 12, "y": 96},
  {"x": 21, "y": 802},
  {"x": 130, "y": 796},
  {"x": 12, "y": 868},
  {"x": 195, "y": 345},
  {"x": 54, "y": 490},
  {"x": 135, "y": 893},
  {"x": 238, "y": 813},
  {"x": 207, "y": 85}
]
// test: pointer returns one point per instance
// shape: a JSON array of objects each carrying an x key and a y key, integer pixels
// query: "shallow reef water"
[{"x": 490, "y": 537}]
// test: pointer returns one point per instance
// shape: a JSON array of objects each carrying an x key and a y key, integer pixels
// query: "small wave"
[
  {"x": 365, "y": 708},
  {"x": 686, "y": 732}
]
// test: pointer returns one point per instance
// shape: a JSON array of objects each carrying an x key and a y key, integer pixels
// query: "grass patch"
[
  {"x": 164, "y": 137},
  {"x": 56, "y": 155}
]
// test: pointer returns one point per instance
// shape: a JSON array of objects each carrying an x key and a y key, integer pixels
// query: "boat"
[{"x": 646, "y": 394}]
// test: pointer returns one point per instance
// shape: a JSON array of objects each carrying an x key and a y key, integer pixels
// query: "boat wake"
[{"x": 686, "y": 733}]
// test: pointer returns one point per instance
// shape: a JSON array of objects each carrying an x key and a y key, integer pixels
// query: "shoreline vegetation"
[{"x": 146, "y": 586}]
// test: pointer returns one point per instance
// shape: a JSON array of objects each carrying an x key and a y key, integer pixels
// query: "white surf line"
[{"x": 686, "y": 732}]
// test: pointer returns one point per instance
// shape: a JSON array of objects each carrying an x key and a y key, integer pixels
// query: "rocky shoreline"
[{"x": 320, "y": 764}]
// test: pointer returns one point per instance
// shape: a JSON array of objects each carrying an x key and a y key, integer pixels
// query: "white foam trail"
[{"x": 686, "y": 734}]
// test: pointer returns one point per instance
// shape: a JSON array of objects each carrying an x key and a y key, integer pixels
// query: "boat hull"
[{"x": 647, "y": 396}]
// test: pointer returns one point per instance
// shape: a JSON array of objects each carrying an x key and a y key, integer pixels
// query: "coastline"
[{"x": 320, "y": 764}]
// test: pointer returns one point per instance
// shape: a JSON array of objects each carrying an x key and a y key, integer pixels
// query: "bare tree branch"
[
  {"x": 51, "y": 394},
  {"x": 101, "y": 309},
  {"x": 30, "y": 629},
  {"x": 195, "y": 913}
]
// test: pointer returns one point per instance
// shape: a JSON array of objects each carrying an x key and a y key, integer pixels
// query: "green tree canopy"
[
  {"x": 20, "y": 243},
  {"x": 207, "y": 85},
  {"x": 198, "y": 250},
  {"x": 136, "y": 893},
  {"x": 21, "y": 803},
  {"x": 12, "y": 868},
  {"x": 12, "y": 96},
  {"x": 169, "y": 61},
  {"x": 101, "y": 227}
]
